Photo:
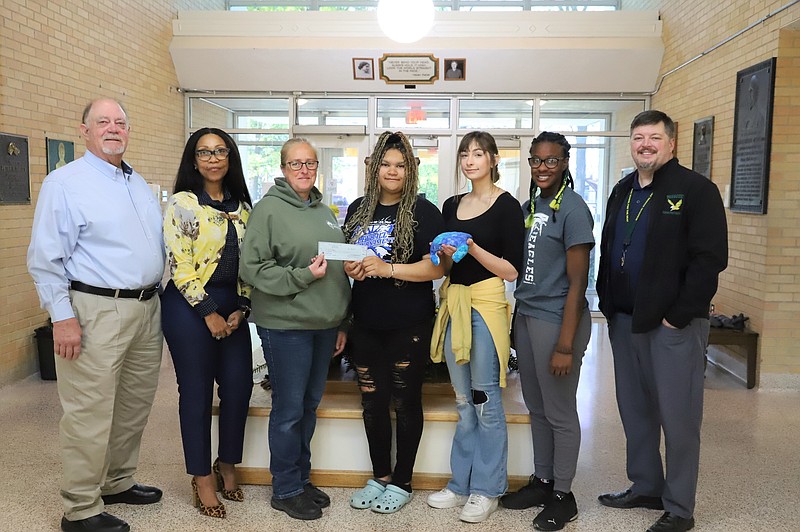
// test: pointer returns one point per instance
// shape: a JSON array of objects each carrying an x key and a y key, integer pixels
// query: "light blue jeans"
[{"x": 478, "y": 458}]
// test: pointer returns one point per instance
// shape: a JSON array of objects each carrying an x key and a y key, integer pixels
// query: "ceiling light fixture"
[{"x": 405, "y": 21}]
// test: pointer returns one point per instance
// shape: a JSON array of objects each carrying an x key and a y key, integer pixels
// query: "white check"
[{"x": 334, "y": 251}]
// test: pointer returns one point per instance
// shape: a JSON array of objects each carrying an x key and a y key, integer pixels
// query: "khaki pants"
[{"x": 106, "y": 394}]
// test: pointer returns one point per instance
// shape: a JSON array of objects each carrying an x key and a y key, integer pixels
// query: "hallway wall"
[
  {"x": 55, "y": 56},
  {"x": 764, "y": 267}
]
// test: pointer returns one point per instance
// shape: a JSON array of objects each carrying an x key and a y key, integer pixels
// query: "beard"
[{"x": 647, "y": 165}]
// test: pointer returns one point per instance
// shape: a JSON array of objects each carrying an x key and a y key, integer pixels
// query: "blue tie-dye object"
[{"x": 456, "y": 239}]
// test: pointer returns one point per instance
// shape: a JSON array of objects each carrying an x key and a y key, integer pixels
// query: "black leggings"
[{"x": 390, "y": 366}]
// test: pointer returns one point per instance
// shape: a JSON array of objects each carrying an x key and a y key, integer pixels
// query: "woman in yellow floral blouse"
[{"x": 204, "y": 311}]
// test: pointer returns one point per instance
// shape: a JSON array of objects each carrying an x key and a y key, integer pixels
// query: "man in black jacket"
[{"x": 664, "y": 244}]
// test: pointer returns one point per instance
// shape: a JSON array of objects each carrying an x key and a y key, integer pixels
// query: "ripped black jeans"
[{"x": 391, "y": 365}]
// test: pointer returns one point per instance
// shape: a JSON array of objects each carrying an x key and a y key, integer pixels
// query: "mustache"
[{"x": 112, "y": 137}]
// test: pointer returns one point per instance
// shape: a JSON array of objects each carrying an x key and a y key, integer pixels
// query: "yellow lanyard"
[{"x": 631, "y": 225}]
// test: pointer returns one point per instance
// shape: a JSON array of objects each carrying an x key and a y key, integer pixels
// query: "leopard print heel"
[
  {"x": 217, "y": 510},
  {"x": 235, "y": 495}
]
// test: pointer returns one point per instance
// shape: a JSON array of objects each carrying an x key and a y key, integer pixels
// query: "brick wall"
[
  {"x": 762, "y": 277},
  {"x": 55, "y": 56}
]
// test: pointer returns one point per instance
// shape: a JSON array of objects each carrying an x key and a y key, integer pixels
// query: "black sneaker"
[
  {"x": 558, "y": 512},
  {"x": 534, "y": 493},
  {"x": 319, "y": 497},
  {"x": 300, "y": 507}
]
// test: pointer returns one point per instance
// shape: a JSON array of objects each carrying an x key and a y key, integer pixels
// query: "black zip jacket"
[{"x": 687, "y": 248}]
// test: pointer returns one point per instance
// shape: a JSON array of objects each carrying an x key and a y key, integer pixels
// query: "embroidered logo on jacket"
[{"x": 675, "y": 203}]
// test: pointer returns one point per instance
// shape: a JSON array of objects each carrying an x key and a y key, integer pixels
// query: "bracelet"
[
  {"x": 564, "y": 350},
  {"x": 391, "y": 276}
]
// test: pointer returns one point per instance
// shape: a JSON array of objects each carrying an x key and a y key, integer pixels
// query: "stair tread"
[{"x": 342, "y": 401}]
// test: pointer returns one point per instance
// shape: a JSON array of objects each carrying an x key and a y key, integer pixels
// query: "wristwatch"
[{"x": 245, "y": 311}]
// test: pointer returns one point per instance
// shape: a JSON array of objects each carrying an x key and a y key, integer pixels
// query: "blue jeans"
[
  {"x": 479, "y": 456},
  {"x": 298, "y": 362}
]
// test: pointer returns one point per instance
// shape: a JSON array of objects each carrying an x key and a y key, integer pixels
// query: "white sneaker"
[
  {"x": 478, "y": 508},
  {"x": 446, "y": 499}
]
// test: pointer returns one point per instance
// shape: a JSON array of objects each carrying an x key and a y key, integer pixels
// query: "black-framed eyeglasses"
[
  {"x": 550, "y": 162},
  {"x": 297, "y": 165},
  {"x": 219, "y": 153}
]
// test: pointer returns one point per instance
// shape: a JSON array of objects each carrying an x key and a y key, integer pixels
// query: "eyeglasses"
[
  {"x": 550, "y": 162},
  {"x": 297, "y": 165},
  {"x": 219, "y": 153}
]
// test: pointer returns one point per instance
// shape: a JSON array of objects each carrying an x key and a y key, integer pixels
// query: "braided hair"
[
  {"x": 566, "y": 178},
  {"x": 403, "y": 232}
]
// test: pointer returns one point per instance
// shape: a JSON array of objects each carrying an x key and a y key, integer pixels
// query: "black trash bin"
[{"x": 47, "y": 357}]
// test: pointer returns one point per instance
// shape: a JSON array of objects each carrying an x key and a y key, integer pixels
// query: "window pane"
[
  {"x": 337, "y": 178},
  {"x": 495, "y": 114},
  {"x": 405, "y": 114},
  {"x": 588, "y": 115},
  {"x": 240, "y": 113},
  {"x": 261, "y": 161},
  {"x": 509, "y": 170},
  {"x": 332, "y": 111},
  {"x": 428, "y": 173}
]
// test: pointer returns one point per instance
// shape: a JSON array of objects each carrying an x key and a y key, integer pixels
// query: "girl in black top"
[
  {"x": 393, "y": 310},
  {"x": 472, "y": 329}
]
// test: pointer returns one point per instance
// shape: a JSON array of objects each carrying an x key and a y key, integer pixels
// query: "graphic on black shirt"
[
  {"x": 539, "y": 223},
  {"x": 378, "y": 237}
]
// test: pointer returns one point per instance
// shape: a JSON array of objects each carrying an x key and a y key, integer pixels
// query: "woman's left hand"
[
  {"x": 341, "y": 340},
  {"x": 235, "y": 319},
  {"x": 560, "y": 364}
]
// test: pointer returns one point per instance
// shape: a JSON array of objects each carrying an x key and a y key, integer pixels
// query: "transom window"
[{"x": 441, "y": 5}]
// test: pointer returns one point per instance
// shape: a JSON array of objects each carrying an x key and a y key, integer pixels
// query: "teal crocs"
[
  {"x": 364, "y": 497},
  {"x": 391, "y": 500}
]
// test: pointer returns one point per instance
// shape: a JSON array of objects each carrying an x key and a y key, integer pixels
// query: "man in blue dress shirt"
[{"x": 96, "y": 257}]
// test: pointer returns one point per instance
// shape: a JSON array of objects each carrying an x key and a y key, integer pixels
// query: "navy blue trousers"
[{"x": 199, "y": 361}]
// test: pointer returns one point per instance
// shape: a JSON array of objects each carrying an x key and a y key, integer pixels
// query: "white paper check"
[{"x": 334, "y": 251}]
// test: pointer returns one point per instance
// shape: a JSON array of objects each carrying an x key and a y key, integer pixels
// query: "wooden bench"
[{"x": 747, "y": 339}]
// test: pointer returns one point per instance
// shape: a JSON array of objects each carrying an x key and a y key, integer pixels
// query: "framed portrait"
[
  {"x": 702, "y": 143},
  {"x": 752, "y": 136},
  {"x": 455, "y": 69},
  {"x": 59, "y": 153},
  {"x": 363, "y": 68}
]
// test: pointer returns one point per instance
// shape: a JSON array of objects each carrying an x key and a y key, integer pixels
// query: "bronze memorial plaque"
[{"x": 15, "y": 183}]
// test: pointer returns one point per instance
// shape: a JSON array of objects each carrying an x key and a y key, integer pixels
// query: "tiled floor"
[{"x": 749, "y": 477}]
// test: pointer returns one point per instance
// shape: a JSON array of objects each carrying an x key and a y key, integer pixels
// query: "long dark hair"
[
  {"x": 487, "y": 144},
  {"x": 190, "y": 179}
]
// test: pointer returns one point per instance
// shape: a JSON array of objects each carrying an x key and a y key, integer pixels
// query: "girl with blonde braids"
[
  {"x": 393, "y": 309},
  {"x": 552, "y": 329}
]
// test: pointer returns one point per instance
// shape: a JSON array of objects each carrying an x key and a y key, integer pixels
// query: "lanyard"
[{"x": 631, "y": 224}]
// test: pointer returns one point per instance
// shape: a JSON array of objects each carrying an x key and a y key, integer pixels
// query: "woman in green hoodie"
[{"x": 299, "y": 301}]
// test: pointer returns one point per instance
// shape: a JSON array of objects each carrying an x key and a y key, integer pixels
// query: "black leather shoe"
[
  {"x": 628, "y": 499},
  {"x": 300, "y": 507},
  {"x": 670, "y": 522},
  {"x": 102, "y": 522},
  {"x": 319, "y": 497},
  {"x": 136, "y": 494}
]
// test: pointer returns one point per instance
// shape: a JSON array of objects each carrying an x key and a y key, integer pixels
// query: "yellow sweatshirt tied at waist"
[{"x": 456, "y": 302}]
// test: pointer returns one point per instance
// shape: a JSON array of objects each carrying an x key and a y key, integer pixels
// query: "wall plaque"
[
  {"x": 702, "y": 143},
  {"x": 15, "y": 183},
  {"x": 752, "y": 135},
  {"x": 409, "y": 68}
]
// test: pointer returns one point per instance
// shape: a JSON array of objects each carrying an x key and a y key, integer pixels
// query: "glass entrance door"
[{"x": 340, "y": 176}]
